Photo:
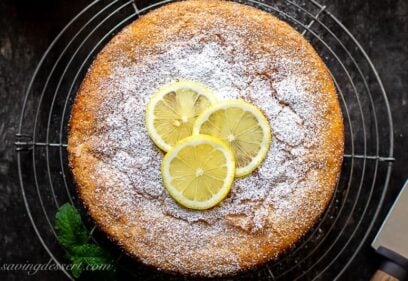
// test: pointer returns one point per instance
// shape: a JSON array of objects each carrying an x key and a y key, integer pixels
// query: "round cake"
[{"x": 239, "y": 52}]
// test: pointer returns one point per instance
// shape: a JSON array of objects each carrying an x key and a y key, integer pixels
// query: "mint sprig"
[{"x": 74, "y": 237}]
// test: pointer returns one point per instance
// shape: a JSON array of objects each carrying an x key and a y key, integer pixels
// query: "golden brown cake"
[{"x": 239, "y": 52}]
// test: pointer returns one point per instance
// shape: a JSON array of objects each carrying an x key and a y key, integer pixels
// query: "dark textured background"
[{"x": 28, "y": 26}]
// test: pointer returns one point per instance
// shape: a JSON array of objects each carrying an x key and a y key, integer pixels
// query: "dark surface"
[{"x": 27, "y": 28}]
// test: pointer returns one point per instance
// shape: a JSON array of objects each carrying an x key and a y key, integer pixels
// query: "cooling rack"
[{"x": 324, "y": 253}]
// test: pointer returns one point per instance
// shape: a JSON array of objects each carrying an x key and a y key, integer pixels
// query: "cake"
[{"x": 239, "y": 52}]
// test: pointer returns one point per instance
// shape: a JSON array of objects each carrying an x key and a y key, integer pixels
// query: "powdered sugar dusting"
[{"x": 212, "y": 65}]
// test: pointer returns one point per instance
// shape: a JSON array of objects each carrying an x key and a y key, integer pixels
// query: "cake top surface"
[{"x": 239, "y": 52}]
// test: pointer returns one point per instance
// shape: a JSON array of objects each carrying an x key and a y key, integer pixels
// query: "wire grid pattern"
[{"x": 46, "y": 181}]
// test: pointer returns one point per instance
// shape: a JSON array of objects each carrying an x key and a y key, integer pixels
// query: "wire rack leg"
[
  {"x": 313, "y": 21},
  {"x": 135, "y": 7}
]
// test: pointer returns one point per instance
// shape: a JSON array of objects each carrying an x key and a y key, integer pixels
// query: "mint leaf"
[
  {"x": 69, "y": 227},
  {"x": 76, "y": 269},
  {"x": 90, "y": 254},
  {"x": 91, "y": 257}
]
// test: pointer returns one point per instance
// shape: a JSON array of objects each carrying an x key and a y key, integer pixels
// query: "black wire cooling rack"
[{"x": 324, "y": 253}]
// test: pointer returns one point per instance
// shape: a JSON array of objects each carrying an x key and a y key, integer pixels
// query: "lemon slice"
[
  {"x": 243, "y": 127},
  {"x": 198, "y": 172},
  {"x": 172, "y": 111}
]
